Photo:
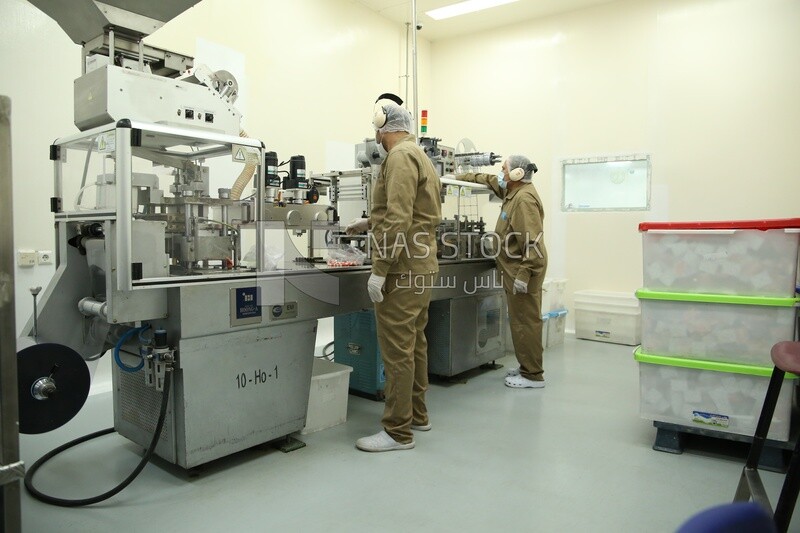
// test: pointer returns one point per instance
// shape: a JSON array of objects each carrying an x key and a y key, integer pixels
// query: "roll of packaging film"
[{"x": 53, "y": 382}]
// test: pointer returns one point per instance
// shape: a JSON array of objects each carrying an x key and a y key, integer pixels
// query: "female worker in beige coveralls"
[
  {"x": 522, "y": 262},
  {"x": 406, "y": 209}
]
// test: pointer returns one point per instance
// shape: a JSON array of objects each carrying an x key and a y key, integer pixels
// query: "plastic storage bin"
[
  {"x": 718, "y": 396},
  {"x": 554, "y": 295},
  {"x": 734, "y": 329},
  {"x": 327, "y": 400},
  {"x": 547, "y": 296},
  {"x": 556, "y": 325},
  {"x": 607, "y": 317},
  {"x": 747, "y": 258}
]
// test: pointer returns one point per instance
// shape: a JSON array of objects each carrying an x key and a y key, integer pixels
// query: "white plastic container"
[
  {"x": 547, "y": 296},
  {"x": 608, "y": 317},
  {"x": 556, "y": 325},
  {"x": 716, "y": 396},
  {"x": 746, "y": 258},
  {"x": 554, "y": 295},
  {"x": 733, "y": 329},
  {"x": 327, "y": 400}
]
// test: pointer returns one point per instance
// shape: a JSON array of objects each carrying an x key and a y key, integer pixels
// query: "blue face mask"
[{"x": 501, "y": 179}]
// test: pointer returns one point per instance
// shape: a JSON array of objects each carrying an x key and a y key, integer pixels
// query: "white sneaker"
[
  {"x": 512, "y": 372},
  {"x": 519, "y": 382},
  {"x": 426, "y": 427},
  {"x": 381, "y": 442}
]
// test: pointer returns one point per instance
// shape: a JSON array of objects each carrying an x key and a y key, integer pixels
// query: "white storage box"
[
  {"x": 556, "y": 325},
  {"x": 510, "y": 343},
  {"x": 607, "y": 317},
  {"x": 717, "y": 396},
  {"x": 554, "y": 297},
  {"x": 547, "y": 296},
  {"x": 747, "y": 258},
  {"x": 734, "y": 329},
  {"x": 327, "y": 400}
]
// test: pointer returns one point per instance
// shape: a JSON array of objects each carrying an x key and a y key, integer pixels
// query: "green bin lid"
[
  {"x": 645, "y": 294},
  {"x": 716, "y": 366}
]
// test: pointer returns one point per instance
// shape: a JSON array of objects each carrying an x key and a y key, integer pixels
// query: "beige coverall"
[
  {"x": 522, "y": 256},
  {"x": 406, "y": 209}
]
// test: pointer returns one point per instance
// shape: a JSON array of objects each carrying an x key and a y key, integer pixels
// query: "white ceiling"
[{"x": 433, "y": 30}]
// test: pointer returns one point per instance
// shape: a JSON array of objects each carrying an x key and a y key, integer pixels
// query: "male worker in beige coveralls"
[
  {"x": 522, "y": 262},
  {"x": 406, "y": 209}
]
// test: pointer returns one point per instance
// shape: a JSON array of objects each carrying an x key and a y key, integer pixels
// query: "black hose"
[
  {"x": 106, "y": 495},
  {"x": 325, "y": 354}
]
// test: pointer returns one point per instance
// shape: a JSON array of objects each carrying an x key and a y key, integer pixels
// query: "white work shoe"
[
  {"x": 426, "y": 427},
  {"x": 519, "y": 382},
  {"x": 381, "y": 442},
  {"x": 512, "y": 372}
]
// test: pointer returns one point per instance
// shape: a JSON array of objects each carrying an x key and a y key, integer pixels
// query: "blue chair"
[{"x": 738, "y": 517}]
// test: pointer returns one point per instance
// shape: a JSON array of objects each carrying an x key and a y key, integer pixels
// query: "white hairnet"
[
  {"x": 397, "y": 119},
  {"x": 520, "y": 161}
]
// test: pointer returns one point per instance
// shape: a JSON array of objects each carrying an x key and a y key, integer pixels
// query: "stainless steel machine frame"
[
  {"x": 465, "y": 332},
  {"x": 12, "y": 469},
  {"x": 228, "y": 370}
]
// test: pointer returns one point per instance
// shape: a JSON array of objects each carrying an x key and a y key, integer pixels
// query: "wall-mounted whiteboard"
[{"x": 613, "y": 183}]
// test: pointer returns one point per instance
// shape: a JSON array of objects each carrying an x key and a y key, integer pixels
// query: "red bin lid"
[{"x": 763, "y": 225}]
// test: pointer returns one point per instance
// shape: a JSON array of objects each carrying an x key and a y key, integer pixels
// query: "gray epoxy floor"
[{"x": 574, "y": 456}]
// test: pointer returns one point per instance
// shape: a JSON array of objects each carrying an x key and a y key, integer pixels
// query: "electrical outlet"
[
  {"x": 26, "y": 258},
  {"x": 45, "y": 257}
]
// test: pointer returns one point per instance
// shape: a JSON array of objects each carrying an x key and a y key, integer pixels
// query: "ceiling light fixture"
[{"x": 462, "y": 8}]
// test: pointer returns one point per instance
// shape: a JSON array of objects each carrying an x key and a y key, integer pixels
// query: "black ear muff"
[{"x": 379, "y": 118}]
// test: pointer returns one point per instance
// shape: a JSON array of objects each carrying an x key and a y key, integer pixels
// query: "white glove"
[
  {"x": 520, "y": 287},
  {"x": 357, "y": 225},
  {"x": 375, "y": 286}
]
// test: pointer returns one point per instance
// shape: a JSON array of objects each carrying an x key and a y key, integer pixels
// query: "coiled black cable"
[{"x": 61, "y": 502}]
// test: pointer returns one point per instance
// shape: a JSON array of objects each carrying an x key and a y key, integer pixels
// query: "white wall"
[{"x": 708, "y": 87}]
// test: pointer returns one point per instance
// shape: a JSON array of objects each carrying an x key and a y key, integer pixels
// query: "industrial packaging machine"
[{"x": 184, "y": 251}]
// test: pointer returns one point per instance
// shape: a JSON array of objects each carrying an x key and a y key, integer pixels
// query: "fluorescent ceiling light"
[{"x": 462, "y": 8}]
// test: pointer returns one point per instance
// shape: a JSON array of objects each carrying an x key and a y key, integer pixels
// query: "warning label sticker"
[{"x": 243, "y": 154}]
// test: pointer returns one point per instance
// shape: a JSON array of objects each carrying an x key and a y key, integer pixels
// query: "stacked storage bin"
[
  {"x": 555, "y": 325},
  {"x": 554, "y": 307},
  {"x": 717, "y": 296}
]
